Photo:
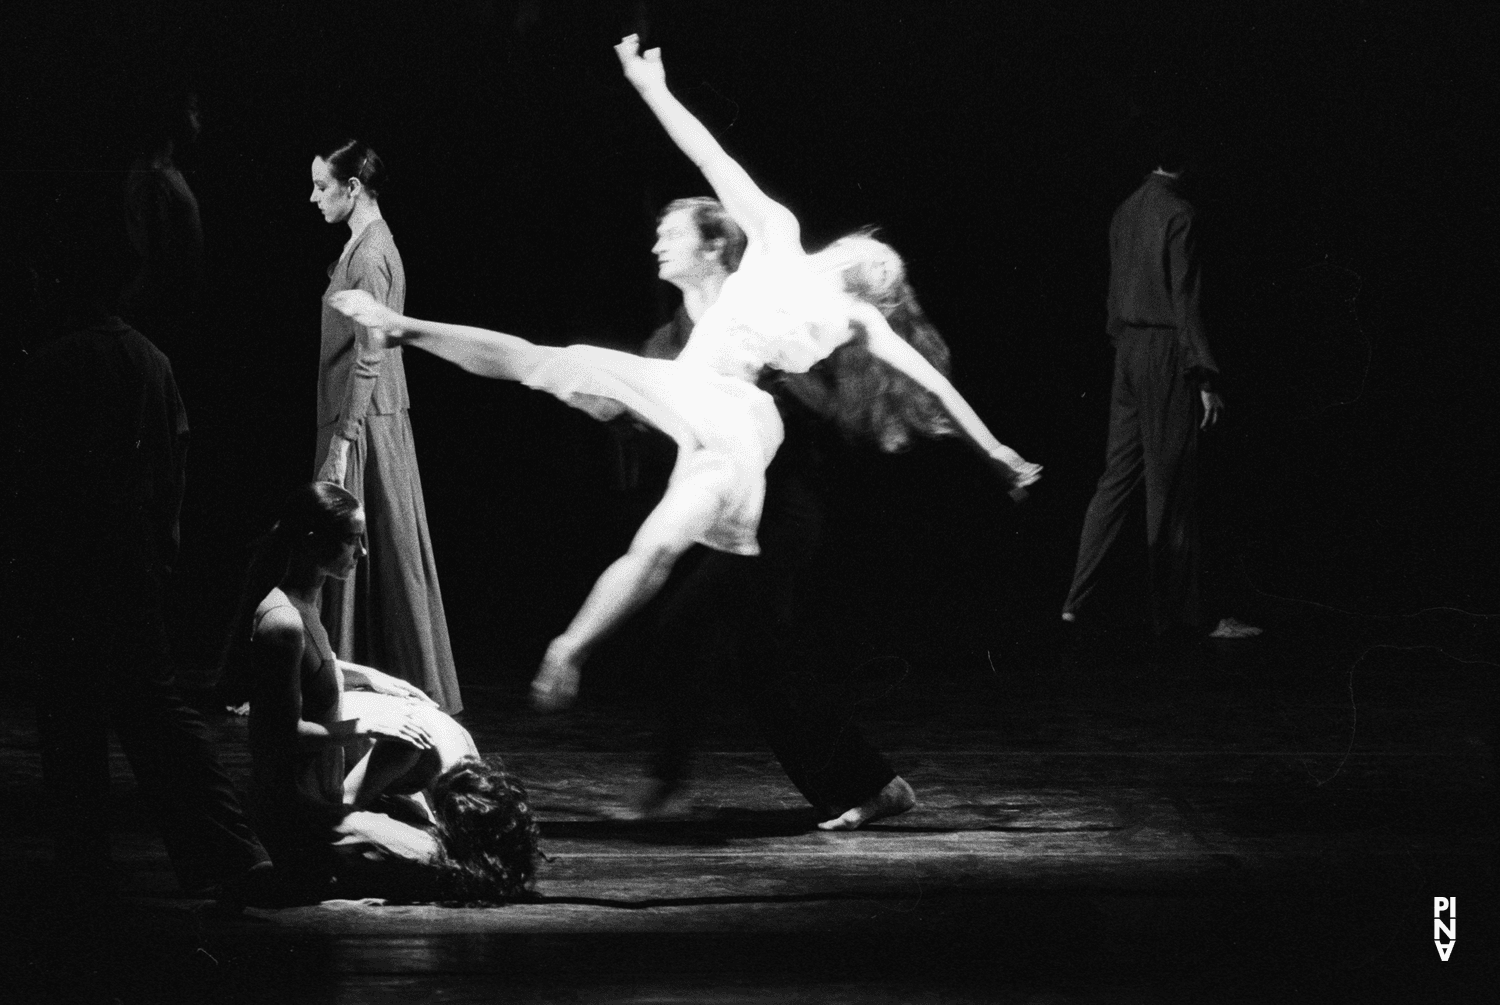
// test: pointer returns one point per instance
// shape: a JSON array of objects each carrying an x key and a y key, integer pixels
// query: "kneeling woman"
[{"x": 362, "y": 785}]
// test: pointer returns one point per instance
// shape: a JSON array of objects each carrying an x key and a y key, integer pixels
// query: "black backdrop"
[{"x": 1350, "y": 261}]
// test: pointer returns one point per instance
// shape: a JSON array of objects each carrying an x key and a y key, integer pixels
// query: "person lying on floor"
[{"x": 362, "y": 786}]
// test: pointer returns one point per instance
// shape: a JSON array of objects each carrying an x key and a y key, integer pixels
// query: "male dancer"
[
  {"x": 723, "y": 602},
  {"x": 1163, "y": 371},
  {"x": 102, "y": 442}
]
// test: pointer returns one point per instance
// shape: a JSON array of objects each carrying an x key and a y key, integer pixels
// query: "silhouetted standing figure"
[
  {"x": 103, "y": 440},
  {"x": 390, "y": 613},
  {"x": 1162, "y": 397},
  {"x": 165, "y": 230}
]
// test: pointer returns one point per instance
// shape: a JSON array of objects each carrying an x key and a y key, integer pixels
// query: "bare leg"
[
  {"x": 897, "y": 797},
  {"x": 630, "y": 581},
  {"x": 478, "y": 350}
]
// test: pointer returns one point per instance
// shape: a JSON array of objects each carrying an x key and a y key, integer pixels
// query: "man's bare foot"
[
  {"x": 556, "y": 684},
  {"x": 1233, "y": 628},
  {"x": 896, "y": 798}
]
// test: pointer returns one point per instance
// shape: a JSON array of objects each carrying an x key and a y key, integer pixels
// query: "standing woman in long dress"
[{"x": 390, "y": 612}]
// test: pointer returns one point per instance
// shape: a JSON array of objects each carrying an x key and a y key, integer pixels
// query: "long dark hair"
[
  {"x": 487, "y": 833},
  {"x": 872, "y": 400},
  {"x": 316, "y": 510}
]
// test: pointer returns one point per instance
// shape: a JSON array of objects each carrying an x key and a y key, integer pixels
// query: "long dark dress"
[{"x": 389, "y": 614}]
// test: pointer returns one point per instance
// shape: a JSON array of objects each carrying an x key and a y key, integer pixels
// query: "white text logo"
[{"x": 1445, "y": 929}]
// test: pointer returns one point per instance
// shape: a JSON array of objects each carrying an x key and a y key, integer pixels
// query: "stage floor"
[{"x": 1219, "y": 822}]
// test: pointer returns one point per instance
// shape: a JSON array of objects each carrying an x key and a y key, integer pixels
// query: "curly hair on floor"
[{"x": 487, "y": 833}]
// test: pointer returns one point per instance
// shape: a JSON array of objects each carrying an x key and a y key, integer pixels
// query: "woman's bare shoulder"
[{"x": 277, "y": 623}]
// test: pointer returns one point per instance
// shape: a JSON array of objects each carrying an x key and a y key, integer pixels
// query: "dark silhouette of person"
[
  {"x": 102, "y": 440},
  {"x": 165, "y": 229},
  {"x": 1162, "y": 398}
]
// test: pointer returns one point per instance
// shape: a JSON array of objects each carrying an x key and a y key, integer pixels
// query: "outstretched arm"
[
  {"x": 763, "y": 219},
  {"x": 887, "y": 345}
]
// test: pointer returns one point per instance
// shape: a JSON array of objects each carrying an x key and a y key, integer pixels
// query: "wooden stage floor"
[{"x": 1252, "y": 821}]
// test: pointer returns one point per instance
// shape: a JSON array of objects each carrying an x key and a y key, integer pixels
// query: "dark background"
[{"x": 1347, "y": 205}]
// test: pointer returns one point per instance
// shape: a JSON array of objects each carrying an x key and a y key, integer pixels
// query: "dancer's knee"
[{"x": 656, "y": 554}]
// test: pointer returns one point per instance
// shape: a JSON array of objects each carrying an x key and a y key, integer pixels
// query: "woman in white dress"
[{"x": 784, "y": 309}]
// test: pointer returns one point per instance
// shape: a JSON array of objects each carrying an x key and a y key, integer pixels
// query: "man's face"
[
  {"x": 681, "y": 254},
  {"x": 334, "y": 199}
]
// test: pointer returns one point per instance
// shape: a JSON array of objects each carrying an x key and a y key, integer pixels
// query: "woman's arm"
[
  {"x": 764, "y": 220},
  {"x": 276, "y": 702},
  {"x": 371, "y": 273},
  {"x": 276, "y": 698},
  {"x": 887, "y": 345},
  {"x": 370, "y": 679}
]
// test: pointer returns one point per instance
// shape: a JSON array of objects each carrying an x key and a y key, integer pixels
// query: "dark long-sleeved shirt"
[
  {"x": 354, "y": 378},
  {"x": 1154, "y": 273},
  {"x": 103, "y": 438}
]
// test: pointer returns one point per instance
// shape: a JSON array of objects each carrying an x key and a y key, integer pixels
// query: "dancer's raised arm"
[
  {"x": 763, "y": 219},
  {"x": 887, "y": 345}
]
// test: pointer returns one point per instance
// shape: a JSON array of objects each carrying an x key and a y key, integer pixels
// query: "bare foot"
[
  {"x": 1233, "y": 628},
  {"x": 556, "y": 684},
  {"x": 896, "y": 798},
  {"x": 359, "y": 306}
]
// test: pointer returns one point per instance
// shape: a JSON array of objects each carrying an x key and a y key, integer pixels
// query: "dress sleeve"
[{"x": 371, "y": 273}]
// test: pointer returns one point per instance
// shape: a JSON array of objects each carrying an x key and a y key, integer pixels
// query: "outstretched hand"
[
  {"x": 395, "y": 724},
  {"x": 359, "y": 306},
  {"x": 643, "y": 71},
  {"x": 1019, "y": 473},
  {"x": 395, "y": 687}
]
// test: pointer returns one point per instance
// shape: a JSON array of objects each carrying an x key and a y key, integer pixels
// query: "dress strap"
[{"x": 260, "y": 615}]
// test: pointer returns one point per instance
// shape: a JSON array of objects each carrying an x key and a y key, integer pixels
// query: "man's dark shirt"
[
  {"x": 667, "y": 341},
  {"x": 103, "y": 438},
  {"x": 1154, "y": 271}
]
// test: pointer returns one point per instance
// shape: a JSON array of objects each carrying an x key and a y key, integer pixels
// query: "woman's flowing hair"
[
  {"x": 487, "y": 833},
  {"x": 315, "y": 509},
  {"x": 872, "y": 400}
]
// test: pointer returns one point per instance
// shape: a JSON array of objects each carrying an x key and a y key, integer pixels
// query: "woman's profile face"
[
  {"x": 332, "y": 197},
  {"x": 350, "y": 547}
]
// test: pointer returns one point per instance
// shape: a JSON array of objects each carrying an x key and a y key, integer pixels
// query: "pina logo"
[{"x": 1445, "y": 929}]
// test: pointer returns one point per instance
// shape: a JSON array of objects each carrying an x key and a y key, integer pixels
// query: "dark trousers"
[
  {"x": 1153, "y": 444},
  {"x": 729, "y": 613},
  {"x": 116, "y": 676}
]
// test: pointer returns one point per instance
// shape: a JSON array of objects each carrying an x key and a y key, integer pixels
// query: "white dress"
[{"x": 772, "y": 313}]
